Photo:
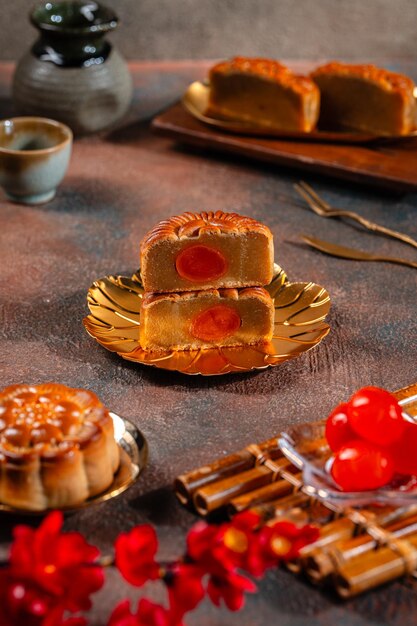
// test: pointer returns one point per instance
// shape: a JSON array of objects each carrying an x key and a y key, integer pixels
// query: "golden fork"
[
  {"x": 322, "y": 208},
  {"x": 352, "y": 253}
]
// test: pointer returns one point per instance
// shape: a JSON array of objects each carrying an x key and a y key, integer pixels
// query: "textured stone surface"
[
  {"x": 215, "y": 28},
  {"x": 118, "y": 185}
]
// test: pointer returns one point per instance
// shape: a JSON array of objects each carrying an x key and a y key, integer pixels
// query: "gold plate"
[
  {"x": 133, "y": 458},
  {"x": 300, "y": 310},
  {"x": 196, "y": 98}
]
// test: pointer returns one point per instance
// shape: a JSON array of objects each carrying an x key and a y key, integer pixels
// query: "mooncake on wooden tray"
[
  {"x": 366, "y": 98},
  {"x": 264, "y": 92},
  {"x": 208, "y": 250},
  {"x": 206, "y": 319},
  {"x": 57, "y": 446}
]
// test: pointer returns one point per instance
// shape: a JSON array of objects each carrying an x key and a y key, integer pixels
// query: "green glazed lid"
[{"x": 74, "y": 18}]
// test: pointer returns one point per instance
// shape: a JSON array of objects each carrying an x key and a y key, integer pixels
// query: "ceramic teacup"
[{"x": 34, "y": 156}]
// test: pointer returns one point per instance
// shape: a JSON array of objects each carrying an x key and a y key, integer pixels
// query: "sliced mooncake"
[
  {"x": 263, "y": 92},
  {"x": 366, "y": 98},
  {"x": 206, "y": 251},
  {"x": 206, "y": 319}
]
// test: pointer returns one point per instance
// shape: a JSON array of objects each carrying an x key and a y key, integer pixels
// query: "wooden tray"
[{"x": 385, "y": 164}]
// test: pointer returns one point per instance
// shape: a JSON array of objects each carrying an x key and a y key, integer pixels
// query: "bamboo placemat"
[{"x": 357, "y": 549}]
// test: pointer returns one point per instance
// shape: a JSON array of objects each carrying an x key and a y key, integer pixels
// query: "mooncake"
[
  {"x": 366, "y": 98},
  {"x": 206, "y": 319},
  {"x": 57, "y": 446},
  {"x": 208, "y": 250},
  {"x": 264, "y": 92}
]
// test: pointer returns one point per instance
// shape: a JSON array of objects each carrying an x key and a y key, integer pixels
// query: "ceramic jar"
[{"x": 72, "y": 73}]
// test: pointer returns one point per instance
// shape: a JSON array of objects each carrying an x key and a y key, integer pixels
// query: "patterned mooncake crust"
[
  {"x": 389, "y": 81},
  {"x": 267, "y": 69},
  {"x": 195, "y": 224},
  {"x": 207, "y": 250},
  {"x": 57, "y": 446}
]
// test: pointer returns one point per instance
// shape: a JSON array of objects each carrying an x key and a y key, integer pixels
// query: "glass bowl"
[{"x": 306, "y": 447}]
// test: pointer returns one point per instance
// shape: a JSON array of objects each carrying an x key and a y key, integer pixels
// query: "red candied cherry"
[
  {"x": 338, "y": 430},
  {"x": 360, "y": 465},
  {"x": 375, "y": 415},
  {"x": 404, "y": 451},
  {"x": 201, "y": 263}
]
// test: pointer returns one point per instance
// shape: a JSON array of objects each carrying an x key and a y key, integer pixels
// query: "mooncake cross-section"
[
  {"x": 206, "y": 250},
  {"x": 263, "y": 92},
  {"x": 366, "y": 98},
  {"x": 206, "y": 319}
]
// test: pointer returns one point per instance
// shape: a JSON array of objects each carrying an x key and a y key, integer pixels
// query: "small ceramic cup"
[{"x": 34, "y": 156}]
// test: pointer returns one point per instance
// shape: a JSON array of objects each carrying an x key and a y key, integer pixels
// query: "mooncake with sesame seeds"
[{"x": 57, "y": 446}]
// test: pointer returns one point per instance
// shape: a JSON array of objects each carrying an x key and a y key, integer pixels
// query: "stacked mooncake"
[{"x": 204, "y": 277}]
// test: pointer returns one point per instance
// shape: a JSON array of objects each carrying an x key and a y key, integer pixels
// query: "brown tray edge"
[{"x": 215, "y": 140}]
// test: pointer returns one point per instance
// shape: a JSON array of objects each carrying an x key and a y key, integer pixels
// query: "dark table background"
[{"x": 118, "y": 186}]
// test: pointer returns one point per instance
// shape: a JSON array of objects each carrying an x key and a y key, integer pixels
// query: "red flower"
[
  {"x": 240, "y": 537},
  {"x": 218, "y": 548},
  {"x": 185, "y": 589},
  {"x": 231, "y": 589},
  {"x": 218, "y": 551},
  {"x": 241, "y": 544},
  {"x": 285, "y": 539},
  {"x": 247, "y": 521},
  {"x": 135, "y": 555},
  {"x": 280, "y": 541},
  {"x": 49, "y": 572},
  {"x": 148, "y": 614},
  {"x": 200, "y": 540}
]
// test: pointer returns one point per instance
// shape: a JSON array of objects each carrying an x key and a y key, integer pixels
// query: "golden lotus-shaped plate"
[
  {"x": 196, "y": 100},
  {"x": 133, "y": 458},
  {"x": 300, "y": 310}
]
